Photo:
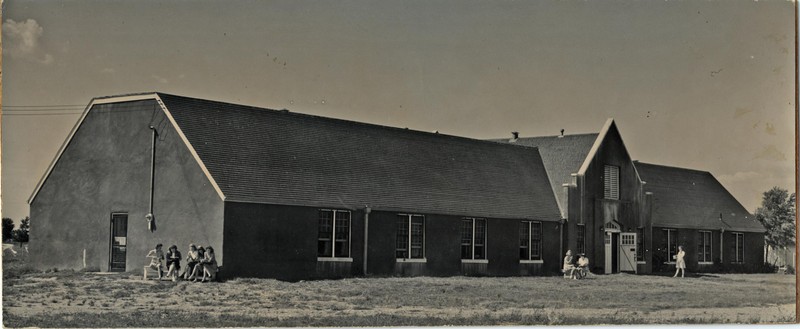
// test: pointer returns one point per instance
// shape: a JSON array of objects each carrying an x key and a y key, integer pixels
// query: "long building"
[{"x": 293, "y": 196}]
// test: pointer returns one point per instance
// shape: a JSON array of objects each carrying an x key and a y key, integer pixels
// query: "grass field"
[{"x": 77, "y": 299}]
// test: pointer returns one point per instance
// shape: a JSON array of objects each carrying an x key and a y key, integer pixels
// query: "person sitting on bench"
[
  {"x": 569, "y": 267},
  {"x": 156, "y": 262},
  {"x": 583, "y": 266}
]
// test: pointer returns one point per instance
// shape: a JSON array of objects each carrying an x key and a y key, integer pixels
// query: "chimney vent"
[
  {"x": 515, "y": 136},
  {"x": 562, "y": 133}
]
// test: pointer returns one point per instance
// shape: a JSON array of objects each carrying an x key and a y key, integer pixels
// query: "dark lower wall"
[
  {"x": 106, "y": 169},
  {"x": 724, "y": 260},
  {"x": 281, "y": 242}
]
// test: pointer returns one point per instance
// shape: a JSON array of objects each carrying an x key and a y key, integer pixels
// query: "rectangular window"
[
  {"x": 334, "y": 234},
  {"x": 473, "y": 238},
  {"x": 670, "y": 245},
  {"x": 611, "y": 182},
  {"x": 704, "y": 247},
  {"x": 640, "y": 244},
  {"x": 581, "y": 237},
  {"x": 410, "y": 237},
  {"x": 737, "y": 248},
  {"x": 530, "y": 240}
]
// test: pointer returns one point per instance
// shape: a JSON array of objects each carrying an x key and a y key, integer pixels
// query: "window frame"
[
  {"x": 333, "y": 257},
  {"x": 702, "y": 244},
  {"x": 473, "y": 244},
  {"x": 580, "y": 238},
  {"x": 738, "y": 246},
  {"x": 409, "y": 238},
  {"x": 671, "y": 232},
  {"x": 640, "y": 252},
  {"x": 531, "y": 258}
]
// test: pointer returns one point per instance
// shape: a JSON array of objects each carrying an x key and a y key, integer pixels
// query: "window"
[
  {"x": 704, "y": 247},
  {"x": 473, "y": 238},
  {"x": 410, "y": 237},
  {"x": 737, "y": 248},
  {"x": 670, "y": 244},
  {"x": 530, "y": 240},
  {"x": 611, "y": 183},
  {"x": 334, "y": 234},
  {"x": 581, "y": 237},
  {"x": 640, "y": 244}
]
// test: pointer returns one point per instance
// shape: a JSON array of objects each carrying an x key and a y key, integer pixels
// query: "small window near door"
[
  {"x": 704, "y": 247},
  {"x": 119, "y": 242}
]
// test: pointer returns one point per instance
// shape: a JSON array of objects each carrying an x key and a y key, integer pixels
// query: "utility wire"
[{"x": 25, "y": 106}]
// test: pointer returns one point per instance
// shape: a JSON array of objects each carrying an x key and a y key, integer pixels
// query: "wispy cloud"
[
  {"x": 22, "y": 39},
  {"x": 160, "y": 79}
]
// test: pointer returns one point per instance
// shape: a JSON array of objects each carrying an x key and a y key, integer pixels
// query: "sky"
[{"x": 706, "y": 85}]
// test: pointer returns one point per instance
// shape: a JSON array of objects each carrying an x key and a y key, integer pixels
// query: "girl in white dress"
[{"x": 680, "y": 263}]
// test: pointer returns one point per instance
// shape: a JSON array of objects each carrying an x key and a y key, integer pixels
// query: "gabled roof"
[
  {"x": 687, "y": 198},
  {"x": 279, "y": 157},
  {"x": 562, "y": 156}
]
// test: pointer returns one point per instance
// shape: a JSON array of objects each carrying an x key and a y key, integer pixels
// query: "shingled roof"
[
  {"x": 687, "y": 198},
  {"x": 280, "y": 157},
  {"x": 562, "y": 156}
]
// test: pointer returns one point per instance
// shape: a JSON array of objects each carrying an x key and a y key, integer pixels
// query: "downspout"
[
  {"x": 367, "y": 210},
  {"x": 721, "y": 237},
  {"x": 151, "y": 221}
]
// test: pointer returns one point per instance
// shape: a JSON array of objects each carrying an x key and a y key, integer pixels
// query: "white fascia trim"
[
  {"x": 663, "y": 226},
  {"x": 595, "y": 147},
  {"x": 122, "y": 99},
  {"x": 74, "y": 130},
  {"x": 190, "y": 147}
]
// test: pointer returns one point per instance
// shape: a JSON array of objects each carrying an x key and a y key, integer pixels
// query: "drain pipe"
[
  {"x": 151, "y": 221},
  {"x": 367, "y": 210}
]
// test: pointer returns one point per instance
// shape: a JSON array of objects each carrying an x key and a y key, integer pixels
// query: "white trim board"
[{"x": 122, "y": 99}]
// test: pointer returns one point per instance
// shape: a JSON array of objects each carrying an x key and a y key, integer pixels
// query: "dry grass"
[{"x": 76, "y": 299}]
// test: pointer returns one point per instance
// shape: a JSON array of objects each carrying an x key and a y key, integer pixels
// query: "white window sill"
[
  {"x": 533, "y": 261},
  {"x": 638, "y": 262},
  {"x": 705, "y": 263},
  {"x": 334, "y": 259},
  {"x": 475, "y": 261},
  {"x": 411, "y": 260},
  {"x": 669, "y": 263}
]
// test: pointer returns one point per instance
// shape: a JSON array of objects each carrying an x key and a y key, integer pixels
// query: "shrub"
[{"x": 789, "y": 269}]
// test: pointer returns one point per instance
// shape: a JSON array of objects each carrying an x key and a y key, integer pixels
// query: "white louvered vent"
[{"x": 611, "y": 183}]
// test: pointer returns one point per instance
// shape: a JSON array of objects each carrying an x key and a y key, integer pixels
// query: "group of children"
[
  {"x": 198, "y": 261},
  {"x": 579, "y": 270}
]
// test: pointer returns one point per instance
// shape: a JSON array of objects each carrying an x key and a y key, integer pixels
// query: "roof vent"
[
  {"x": 562, "y": 133},
  {"x": 514, "y": 136}
]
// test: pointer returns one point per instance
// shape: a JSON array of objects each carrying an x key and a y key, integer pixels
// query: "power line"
[
  {"x": 26, "y": 106},
  {"x": 28, "y": 114}
]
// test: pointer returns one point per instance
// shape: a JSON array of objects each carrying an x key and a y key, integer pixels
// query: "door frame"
[{"x": 111, "y": 240}]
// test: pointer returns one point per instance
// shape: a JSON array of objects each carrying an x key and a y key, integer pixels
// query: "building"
[
  {"x": 628, "y": 216},
  {"x": 290, "y": 196},
  {"x": 692, "y": 209},
  {"x": 294, "y": 196}
]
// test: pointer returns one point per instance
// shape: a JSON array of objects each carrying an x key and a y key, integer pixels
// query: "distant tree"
[
  {"x": 21, "y": 234},
  {"x": 777, "y": 214},
  {"x": 8, "y": 227}
]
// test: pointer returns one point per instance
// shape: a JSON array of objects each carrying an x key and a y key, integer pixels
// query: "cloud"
[
  {"x": 22, "y": 39},
  {"x": 771, "y": 153},
  {"x": 159, "y": 79}
]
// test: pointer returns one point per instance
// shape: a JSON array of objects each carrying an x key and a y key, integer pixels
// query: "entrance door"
[
  {"x": 119, "y": 242},
  {"x": 612, "y": 257},
  {"x": 627, "y": 252}
]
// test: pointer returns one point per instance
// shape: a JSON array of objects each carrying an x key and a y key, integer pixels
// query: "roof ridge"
[
  {"x": 313, "y": 116},
  {"x": 637, "y": 162}
]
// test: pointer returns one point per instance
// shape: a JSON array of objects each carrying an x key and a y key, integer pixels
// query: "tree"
[
  {"x": 8, "y": 227},
  {"x": 777, "y": 214},
  {"x": 21, "y": 234}
]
